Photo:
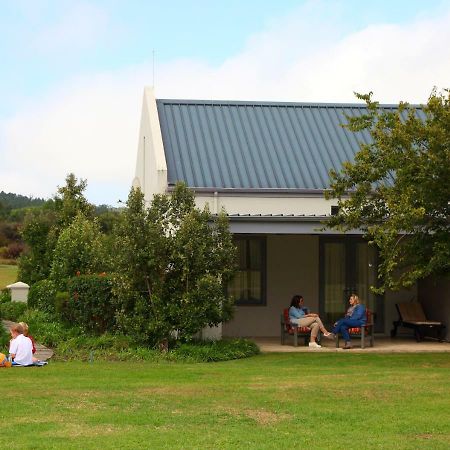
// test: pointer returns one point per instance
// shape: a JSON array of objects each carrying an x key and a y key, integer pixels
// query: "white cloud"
[
  {"x": 298, "y": 61},
  {"x": 89, "y": 126},
  {"x": 80, "y": 26}
]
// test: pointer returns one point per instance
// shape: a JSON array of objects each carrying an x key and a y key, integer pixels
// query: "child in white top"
[{"x": 20, "y": 347}]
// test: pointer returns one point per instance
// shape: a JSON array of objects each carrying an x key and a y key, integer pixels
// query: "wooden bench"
[
  {"x": 363, "y": 332},
  {"x": 288, "y": 329},
  {"x": 411, "y": 315}
]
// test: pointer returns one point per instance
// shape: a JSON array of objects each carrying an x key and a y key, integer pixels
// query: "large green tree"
[
  {"x": 70, "y": 201},
  {"x": 174, "y": 261},
  {"x": 42, "y": 227},
  {"x": 397, "y": 189},
  {"x": 80, "y": 249},
  {"x": 36, "y": 261}
]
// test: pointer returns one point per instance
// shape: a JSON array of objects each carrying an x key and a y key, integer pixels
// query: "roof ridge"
[{"x": 270, "y": 103}]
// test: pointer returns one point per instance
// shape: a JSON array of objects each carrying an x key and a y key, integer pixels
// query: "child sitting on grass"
[
  {"x": 20, "y": 347},
  {"x": 28, "y": 335}
]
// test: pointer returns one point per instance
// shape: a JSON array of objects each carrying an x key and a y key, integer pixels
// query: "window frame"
[{"x": 262, "y": 240}]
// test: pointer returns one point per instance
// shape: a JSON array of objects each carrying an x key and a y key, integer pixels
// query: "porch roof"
[{"x": 281, "y": 224}]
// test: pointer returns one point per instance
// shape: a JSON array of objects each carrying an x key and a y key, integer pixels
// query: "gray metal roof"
[{"x": 257, "y": 145}]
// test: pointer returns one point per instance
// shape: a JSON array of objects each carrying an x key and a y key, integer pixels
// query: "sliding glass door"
[{"x": 347, "y": 265}]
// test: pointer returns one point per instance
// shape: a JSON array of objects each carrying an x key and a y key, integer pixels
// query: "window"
[{"x": 248, "y": 287}]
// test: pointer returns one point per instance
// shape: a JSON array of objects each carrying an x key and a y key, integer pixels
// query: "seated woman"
[
  {"x": 355, "y": 317},
  {"x": 28, "y": 335},
  {"x": 298, "y": 317}
]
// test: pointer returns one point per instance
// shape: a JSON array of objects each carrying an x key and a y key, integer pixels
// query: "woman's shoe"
[
  {"x": 330, "y": 335},
  {"x": 314, "y": 345}
]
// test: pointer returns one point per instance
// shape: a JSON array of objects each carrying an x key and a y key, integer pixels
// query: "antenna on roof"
[{"x": 153, "y": 67}]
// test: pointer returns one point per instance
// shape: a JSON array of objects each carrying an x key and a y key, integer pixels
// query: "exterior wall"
[
  {"x": 434, "y": 295},
  {"x": 151, "y": 167},
  {"x": 390, "y": 311},
  {"x": 292, "y": 268},
  {"x": 211, "y": 333},
  {"x": 267, "y": 204}
]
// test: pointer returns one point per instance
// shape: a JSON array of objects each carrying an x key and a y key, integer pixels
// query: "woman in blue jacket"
[{"x": 355, "y": 317}]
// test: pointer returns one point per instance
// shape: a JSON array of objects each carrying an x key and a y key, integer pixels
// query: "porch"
[
  {"x": 400, "y": 344},
  {"x": 325, "y": 269},
  {"x": 279, "y": 256}
]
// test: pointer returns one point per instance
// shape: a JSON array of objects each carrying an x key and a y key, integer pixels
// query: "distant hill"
[{"x": 14, "y": 201}]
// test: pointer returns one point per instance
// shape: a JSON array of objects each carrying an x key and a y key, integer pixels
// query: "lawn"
[
  {"x": 324, "y": 401},
  {"x": 8, "y": 275}
]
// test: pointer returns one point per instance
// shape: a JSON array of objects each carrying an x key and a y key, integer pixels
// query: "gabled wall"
[{"x": 151, "y": 167}]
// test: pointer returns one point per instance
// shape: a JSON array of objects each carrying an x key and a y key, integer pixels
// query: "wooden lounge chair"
[
  {"x": 364, "y": 332},
  {"x": 288, "y": 329},
  {"x": 411, "y": 315}
]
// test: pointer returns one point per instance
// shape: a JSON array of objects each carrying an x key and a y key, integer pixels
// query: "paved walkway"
[
  {"x": 42, "y": 353},
  {"x": 401, "y": 344}
]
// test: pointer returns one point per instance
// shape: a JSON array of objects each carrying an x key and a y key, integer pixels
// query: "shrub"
[
  {"x": 46, "y": 329},
  {"x": 12, "y": 310},
  {"x": 121, "y": 348},
  {"x": 12, "y": 251},
  {"x": 90, "y": 303},
  {"x": 61, "y": 304},
  {"x": 42, "y": 296},
  {"x": 223, "y": 350},
  {"x": 4, "y": 340},
  {"x": 70, "y": 342},
  {"x": 5, "y": 296}
]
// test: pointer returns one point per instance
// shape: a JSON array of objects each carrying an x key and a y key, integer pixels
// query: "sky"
[{"x": 72, "y": 73}]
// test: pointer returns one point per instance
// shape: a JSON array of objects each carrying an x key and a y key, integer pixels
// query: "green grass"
[
  {"x": 274, "y": 401},
  {"x": 8, "y": 275}
]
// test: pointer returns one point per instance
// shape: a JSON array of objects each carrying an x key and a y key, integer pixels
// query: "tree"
[
  {"x": 397, "y": 190},
  {"x": 35, "y": 262},
  {"x": 174, "y": 261},
  {"x": 43, "y": 225},
  {"x": 79, "y": 250},
  {"x": 70, "y": 201}
]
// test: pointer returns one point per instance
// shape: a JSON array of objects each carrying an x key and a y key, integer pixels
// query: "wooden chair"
[
  {"x": 411, "y": 315},
  {"x": 363, "y": 332},
  {"x": 288, "y": 329}
]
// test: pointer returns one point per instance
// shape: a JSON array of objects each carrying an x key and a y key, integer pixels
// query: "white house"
[{"x": 267, "y": 164}]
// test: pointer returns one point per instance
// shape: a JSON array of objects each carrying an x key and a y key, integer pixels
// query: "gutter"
[{"x": 214, "y": 191}]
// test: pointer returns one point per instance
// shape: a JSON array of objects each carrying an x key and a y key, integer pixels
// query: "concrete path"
[
  {"x": 42, "y": 353},
  {"x": 400, "y": 344}
]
